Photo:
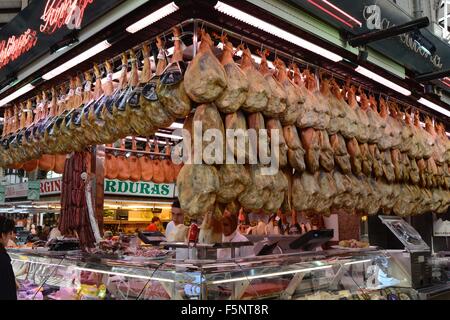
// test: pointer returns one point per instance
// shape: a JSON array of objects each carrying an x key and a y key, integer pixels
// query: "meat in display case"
[{"x": 333, "y": 274}]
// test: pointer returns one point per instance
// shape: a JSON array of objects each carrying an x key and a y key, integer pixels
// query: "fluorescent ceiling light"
[
  {"x": 16, "y": 94},
  {"x": 153, "y": 17},
  {"x": 170, "y": 136},
  {"x": 77, "y": 60},
  {"x": 255, "y": 57},
  {"x": 176, "y": 125},
  {"x": 278, "y": 32},
  {"x": 383, "y": 81},
  {"x": 434, "y": 106}
]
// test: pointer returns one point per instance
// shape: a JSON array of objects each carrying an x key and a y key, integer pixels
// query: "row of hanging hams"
[
  {"x": 18, "y": 120},
  {"x": 334, "y": 153},
  {"x": 96, "y": 113},
  {"x": 156, "y": 167}
]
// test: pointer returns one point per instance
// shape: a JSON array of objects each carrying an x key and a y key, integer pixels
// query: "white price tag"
[{"x": 372, "y": 277}]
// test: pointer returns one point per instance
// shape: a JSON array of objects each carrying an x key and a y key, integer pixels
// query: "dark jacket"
[{"x": 7, "y": 279}]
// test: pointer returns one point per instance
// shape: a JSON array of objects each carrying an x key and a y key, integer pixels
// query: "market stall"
[{"x": 323, "y": 143}]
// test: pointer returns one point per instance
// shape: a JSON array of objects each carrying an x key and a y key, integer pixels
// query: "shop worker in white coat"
[
  {"x": 177, "y": 219},
  {"x": 231, "y": 234}
]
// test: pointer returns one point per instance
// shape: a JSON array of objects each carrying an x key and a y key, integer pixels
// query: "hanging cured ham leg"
[
  {"x": 258, "y": 91},
  {"x": 111, "y": 166},
  {"x": 171, "y": 87},
  {"x": 146, "y": 164},
  {"x": 134, "y": 163},
  {"x": 149, "y": 100},
  {"x": 158, "y": 170},
  {"x": 169, "y": 172},
  {"x": 141, "y": 124},
  {"x": 234, "y": 95},
  {"x": 123, "y": 164},
  {"x": 205, "y": 78},
  {"x": 276, "y": 104}
]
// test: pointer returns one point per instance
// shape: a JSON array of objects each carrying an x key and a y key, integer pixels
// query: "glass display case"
[{"x": 332, "y": 274}]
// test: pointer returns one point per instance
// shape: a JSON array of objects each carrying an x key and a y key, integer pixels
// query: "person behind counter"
[
  {"x": 177, "y": 219},
  {"x": 155, "y": 225},
  {"x": 232, "y": 234},
  {"x": 8, "y": 289}
]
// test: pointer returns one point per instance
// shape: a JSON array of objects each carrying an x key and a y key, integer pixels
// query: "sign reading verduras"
[
  {"x": 112, "y": 187},
  {"x": 41, "y": 25}
]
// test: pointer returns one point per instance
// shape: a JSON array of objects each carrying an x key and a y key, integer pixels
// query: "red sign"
[
  {"x": 13, "y": 48},
  {"x": 51, "y": 186},
  {"x": 58, "y": 13}
]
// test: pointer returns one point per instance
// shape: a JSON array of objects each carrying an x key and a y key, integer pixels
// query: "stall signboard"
[
  {"x": 33, "y": 190},
  {"x": 420, "y": 51},
  {"x": 49, "y": 187},
  {"x": 140, "y": 189},
  {"x": 18, "y": 190},
  {"x": 43, "y": 24},
  {"x": 441, "y": 227}
]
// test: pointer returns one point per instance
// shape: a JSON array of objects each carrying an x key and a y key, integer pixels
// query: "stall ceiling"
[{"x": 9, "y": 9}]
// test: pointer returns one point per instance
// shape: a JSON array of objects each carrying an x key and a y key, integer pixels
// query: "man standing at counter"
[
  {"x": 177, "y": 219},
  {"x": 231, "y": 234}
]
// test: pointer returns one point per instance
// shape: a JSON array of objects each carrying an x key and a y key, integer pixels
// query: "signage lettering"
[
  {"x": 155, "y": 189},
  {"x": 145, "y": 188},
  {"x": 53, "y": 187},
  {"x": 50, "y": 186},
  {"x": 123, "y": 187},
  {"x": 132, "y": 189},
  {"x": 58, "y": 13},
  {"x": 110, "y": 186},
  {"x": 16, "y": 46},
  {"x": 165, "y": 189},
  {"x": 372, "y": 15}
]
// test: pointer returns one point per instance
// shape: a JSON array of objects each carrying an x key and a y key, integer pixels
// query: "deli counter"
[{"x": 331, "y": 274}]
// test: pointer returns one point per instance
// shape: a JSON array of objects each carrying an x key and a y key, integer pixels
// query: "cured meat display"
[
  {"x": 339, "y": 147},
  {"x": 140, "y": 165},
  {"x": 74, "y": 215}
]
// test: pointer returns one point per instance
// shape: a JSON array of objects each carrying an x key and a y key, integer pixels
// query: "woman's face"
[{"x": 6, "y": 237}]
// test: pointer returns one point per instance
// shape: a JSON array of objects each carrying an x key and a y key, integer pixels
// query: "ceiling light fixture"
[
  {"x": 77, "y": 60},
  {"x": 16, "y": 94},
  {"x": 153, "y": 17},
  {"x": 383, "y": 81},
  {"x": 343, "y": 12},
  {"x": 434, "y": 106},
  {"x": 278, "y": 32},
  {"x": 330, "y": 13},
  {"x": 176, "y": 125},
  {"x": 170, "y": 136}
]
